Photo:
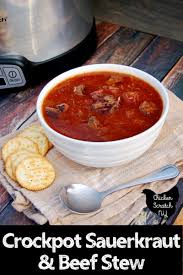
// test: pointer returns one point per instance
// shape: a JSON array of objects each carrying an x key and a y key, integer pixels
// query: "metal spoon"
[{"x": 81, "y": 198}]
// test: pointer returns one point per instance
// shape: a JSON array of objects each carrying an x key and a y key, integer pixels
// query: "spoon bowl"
[{"x": 81, "y": 198}]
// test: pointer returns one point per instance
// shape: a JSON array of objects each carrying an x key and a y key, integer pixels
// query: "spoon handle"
[{"x": 165, "y": 173}]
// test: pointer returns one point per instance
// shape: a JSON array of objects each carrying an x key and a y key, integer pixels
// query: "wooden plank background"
[
  {"x": 159, "y": 56},
  {"x": 160, "y": 17}
]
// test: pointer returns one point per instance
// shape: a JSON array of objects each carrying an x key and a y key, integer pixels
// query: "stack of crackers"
[{"x": 25, "y": 162}]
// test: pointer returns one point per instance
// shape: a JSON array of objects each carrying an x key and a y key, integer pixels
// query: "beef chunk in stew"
[
  {"x": 109, "y": 99},
  {"x": 131, "y": 97},
  {"x": 63, "y": 107},
  {"x": 115, "y": 105},
  {"x": 98, "y": 94},
  {"x": 79, "y": 90},
  {"x": 52, "y": 112},
  {"x": 106, "y": 103},
  {"x": 148, "y": 107},
  {"x": 100, "y": 107}
]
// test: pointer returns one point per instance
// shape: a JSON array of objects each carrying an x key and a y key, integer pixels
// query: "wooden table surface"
[
  {"x": 161, "y": 17},
  {"x": 161, "y": 57}
]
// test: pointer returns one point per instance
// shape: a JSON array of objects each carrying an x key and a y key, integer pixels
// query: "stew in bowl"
[
  {"x": 103, "y": 115},
  {"x": 102, "y": 106}
]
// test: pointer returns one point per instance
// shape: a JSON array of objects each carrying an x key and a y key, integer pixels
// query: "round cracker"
[
  {"x": 39, "y": 128},
  {"x": 17, "y": 157},
  {"x": 14, "y": 159},
  {"x": 39, "y": 138},
  {"x": 16, "y": 144},
  {"x": 35, "y": 173}
]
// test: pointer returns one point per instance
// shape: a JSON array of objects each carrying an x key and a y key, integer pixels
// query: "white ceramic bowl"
[{"x": 111, "y": 153}]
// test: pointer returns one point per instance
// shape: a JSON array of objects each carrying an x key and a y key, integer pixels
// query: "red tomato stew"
[{"x": 102, "y": 106}]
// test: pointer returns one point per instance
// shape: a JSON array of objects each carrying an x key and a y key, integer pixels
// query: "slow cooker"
[{"x": 41, "y": 38}]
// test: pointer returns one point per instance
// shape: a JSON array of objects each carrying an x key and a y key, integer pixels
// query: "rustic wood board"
[
  {"x": 158, "y": 56},
  {"x": 174, "y": 79},
  {"x": 161, "y": 17}
]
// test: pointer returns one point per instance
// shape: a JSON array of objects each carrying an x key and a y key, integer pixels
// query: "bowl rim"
[{"x": 101, "y": 67}]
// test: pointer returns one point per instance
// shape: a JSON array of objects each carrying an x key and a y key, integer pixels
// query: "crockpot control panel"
[{"x": 11, "y": 76}]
